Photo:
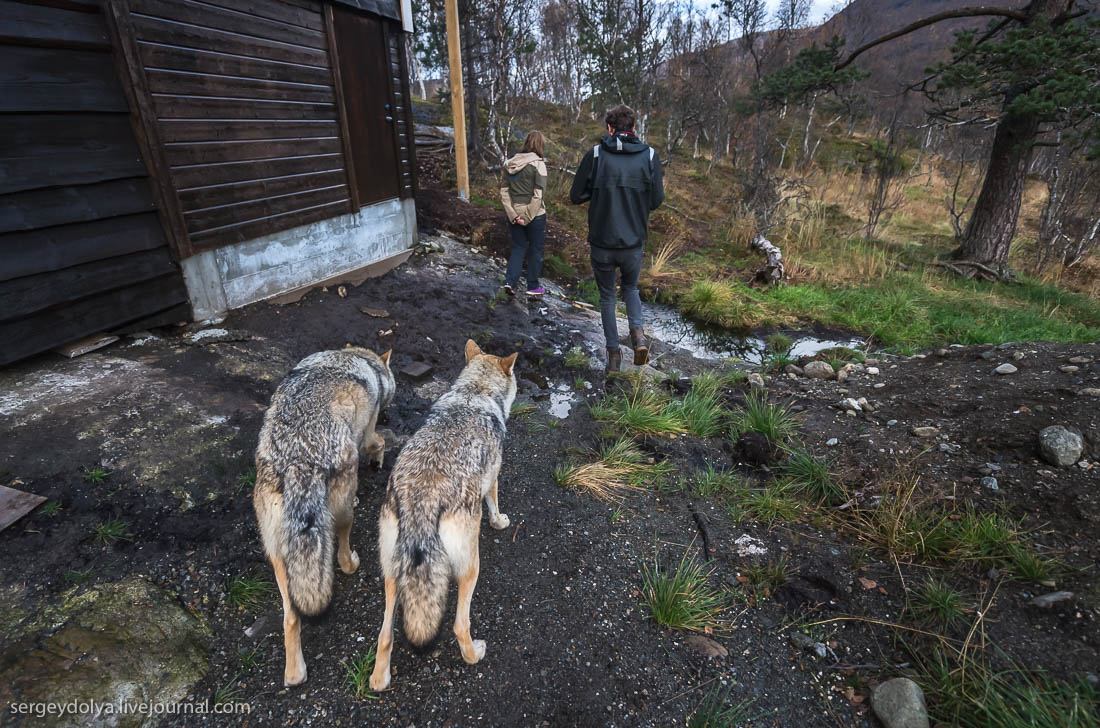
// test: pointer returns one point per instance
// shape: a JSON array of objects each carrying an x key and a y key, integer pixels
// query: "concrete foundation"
[{"x": 256, "y": 270}]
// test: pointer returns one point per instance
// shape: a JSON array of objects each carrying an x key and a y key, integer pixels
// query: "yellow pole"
[{"x": 458, "y": 106}]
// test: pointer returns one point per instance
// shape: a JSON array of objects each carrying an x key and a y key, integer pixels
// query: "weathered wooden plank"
[
  {"x": 228, "y": 194},
  {"x": 160, "y": 56},
  {"x": 202, "y": 130},
  {"x": 205, "y": 107},
  {"x": 41, "y": 25},
  {"x": 37, "y": 251},
  {"x": 38, "y": 333},
  {"x": 42, "y": 150},
  {"x": 51, "y": 79},
  {"x": 266, "y": 226},
  {"x": 157, "y": 30},
  {"x": 201, "y": 175},
  {"x": 14, "y": 504},
  {"x": 214, "y": 218},
  {"x": 211, "y": 16},
  {"x": 186, "y": 153},
  {"x": 28, "y": 295},
  {"x": 341, "y": 107},
  {"x": 275, "y": 10},
  {"x": 76, "y": 203},
  {"x": 187, "y": 83}
]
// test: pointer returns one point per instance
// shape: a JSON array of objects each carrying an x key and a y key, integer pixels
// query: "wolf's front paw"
[
  {"x": 350, "y": 564},
  {"x": 294, "y": 676},
  {"x": 376, "y": 460},
  {"x": 379, "y": 680},
  {"x": 500, "y": 521}
]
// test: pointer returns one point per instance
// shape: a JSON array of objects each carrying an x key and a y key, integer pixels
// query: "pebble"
[
  {"x": 793, "y": 369},
  {"x": 990, "y": 482},
  {"x": 899, "y": 703},
  {"x": 925, "y": 431},
  {"x": 819, "y": 370},
  {"x": 872, "y": 370},
  {"x": 1090, "y": 392},
  {"x": 1006, "y": 369},
  {"x": 987, "y": 355},
  {"x": 1017, "y": 356},
  {"x": 1079, "y": 360},
  {"x": 880, "y": 385},
  {"x": 1069, "y": 369},
  {"x": 891, "y": 423},
  {"x": 756, "y": 381},
  {"x": 1060, "y": 446},
  {"x": 832, "y": 442},
  {"x": 1049, "y": 600},
  {"x": 850, "y": 404},
  {"x": 941, "y": 352}
]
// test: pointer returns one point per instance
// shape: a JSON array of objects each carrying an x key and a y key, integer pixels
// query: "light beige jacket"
[{"x": 523, "y": 185}]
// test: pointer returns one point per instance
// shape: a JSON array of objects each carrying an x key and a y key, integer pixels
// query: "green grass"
[
  {"x": 778, "y": 362},
  {"x": 246, "y": 480},
  {"x": 715, "y": 711},
  {"x": 982, "y": 697},
  {"x": 768, "y": 505},
  {"x": 521, "y": 409},
  {"x": 767, "y": 579},
  {"x": 575, "y": 358},
  {"x": 558, "y": 267},
  {"x": 712, "y": 483},
  {"x": 640, "y": 411},
  {"x": 778, "y": 343},
  {"x": 774, "y": 421},
  {"x": 250, "y": 659},
  {"x": 680, "y": 598},
  {"x": 810, "y": 476},
  {"x": 95, "y": 474},
  {"x": 937, "y": 603},
  {"x": 842, "y": 354},
  {"x": 588, "y": 292},
  {"x": 50, "y": 509},
  {"x": 619, "y": 467},
  {"x": 701, "y": 411},
  {"x": 229, "y": 692},
  {"x": 357, "y": 674},
  {"x": 248, "y": 592},
  {"x": 111, "y": 532},
  {"x": 78, "y": 576}
]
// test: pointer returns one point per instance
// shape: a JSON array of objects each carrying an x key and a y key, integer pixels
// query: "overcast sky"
[{"x": 819, "y": 10}]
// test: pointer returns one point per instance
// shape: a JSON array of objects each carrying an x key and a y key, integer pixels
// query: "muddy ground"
[{"x": 558, "y": 601}]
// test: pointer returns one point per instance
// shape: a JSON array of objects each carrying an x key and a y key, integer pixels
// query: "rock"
[
  {"x": 842, "y": 375},
  {"x": 941, "y": 352},
  {"x": 756, "y": 381},
  {"x": 793, "y": 369},
  {"x": 216, "y": 336},
  {"x": 706, "y": 646},
  {"x": 899, "y": 703},
  {"x": 891, "y": 423},
  {"x": 1060, "y": 447},
  {"x": 1049, "y": 600},
  {"x": 1069, "y": 369},
  {"x": 850, "y": 404},
  {"x": 820, "y": 651},
  {"x": 924, "y": 431},
  {"x": 832, "y": 442},
  {"x": 880, "y": 385},
  {"x": 1079, "y": 360},
  {"x": 819, "y": 370},
  {"x": 872, "y": 371},
  {"x": 375, "y": 312},
  {"x": 1006, "y": 369},
  {"x": 987, "y": 355},
  {"x": 126, "y": 642},
  {"x": 1090, "y": 392},
  {"x": 1017, "y": 356},
  {"x": 801, "y": 641},
  {"x": 990, "y": 482},
  {"x": 416, "y": 369}
]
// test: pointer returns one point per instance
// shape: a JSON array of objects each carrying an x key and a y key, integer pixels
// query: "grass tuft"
[
  {"x": 809, "y": 475},
  {"x": 575, "y": 358},
  {"x": 357, "y": 674},
  {"x": 711, "y": 482},
  {"x": 50, "y": 509},
  {"x": 111, "y": 532},
  {"x": 640, "y": 410},
  {"x": 767, "y": 579},
  {"x": 620, "y": 468},
  {"x": 701, "y": 411},
  {"x": 937, "y": 603},
  {"x": 681, "y": 598},
  {"x": 248, "y": 592},
  {"x": 715, "y": 711},
  {"x": 95, "y": 474},
  {"x": 774, "y": 421}
]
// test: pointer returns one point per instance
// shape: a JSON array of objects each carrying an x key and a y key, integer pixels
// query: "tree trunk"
[
  {"x": 993, "y": 223},
  {"x": 471, "y": 86}
]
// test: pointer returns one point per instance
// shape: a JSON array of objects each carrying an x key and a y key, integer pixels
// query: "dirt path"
[{"x": 558, "y": 600}]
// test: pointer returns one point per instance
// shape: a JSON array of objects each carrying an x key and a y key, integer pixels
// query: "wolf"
[
  {"x": 431, "y": 515},
  {"x": 322, "y": 417}
]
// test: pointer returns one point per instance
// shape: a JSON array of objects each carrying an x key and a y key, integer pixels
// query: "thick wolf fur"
[
  {"x": 321, "y": 418},
  {"x": 431, "y": 517}
]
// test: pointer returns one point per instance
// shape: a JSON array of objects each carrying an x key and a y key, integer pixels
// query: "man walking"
[{"x": 621, "y": 177}]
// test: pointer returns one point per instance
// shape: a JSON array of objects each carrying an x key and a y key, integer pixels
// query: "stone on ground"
[
  {"x": 819, "y": 370},
  {"x": 899, "y": 703},
  {"x": 1061, "y": 447},
  {"x": 1005, "y": 369}
]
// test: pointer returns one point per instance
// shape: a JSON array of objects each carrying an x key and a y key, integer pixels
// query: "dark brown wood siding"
[
  {"x": 245, "y": 111},
  {"x": 402, "y": 102},
  {"x": 81, "y": 246}
]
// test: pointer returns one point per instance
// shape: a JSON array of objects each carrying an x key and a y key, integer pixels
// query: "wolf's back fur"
[
  {"x": 309, "y": 443},
  {"x": 439, "y": 479}
]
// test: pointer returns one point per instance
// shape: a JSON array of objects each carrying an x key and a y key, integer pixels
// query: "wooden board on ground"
[
  {"x": 14, "y": 504},
  {"x": 82, "y": 346}
]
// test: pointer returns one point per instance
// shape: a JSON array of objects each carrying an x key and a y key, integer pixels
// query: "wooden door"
[{"x": 363, "y": 61}]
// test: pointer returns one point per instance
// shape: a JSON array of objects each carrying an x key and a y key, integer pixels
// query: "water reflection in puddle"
[
  {"x": 561, "y": 401},
  {"x": 669, "y": 326}
]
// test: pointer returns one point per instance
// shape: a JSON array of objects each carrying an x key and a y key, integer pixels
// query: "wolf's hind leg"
[
  {"x": 387, "y": 544},
  {"x": 343, "y": 511},
  {"x": 295, "y": 672},
  {"x": 497, "y": 519},
  {"x": 375, "y": 450},
  {"x": 472, "y": 650}
]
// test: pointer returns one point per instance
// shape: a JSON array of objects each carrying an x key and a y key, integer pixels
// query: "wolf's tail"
[
  {"x": 422, "y": 579},
  {"x": 306, "y": 539}
]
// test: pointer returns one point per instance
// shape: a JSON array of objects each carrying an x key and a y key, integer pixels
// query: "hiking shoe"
[
  {"x": 614, "y": 360},
  {"x": 509, "y": 290},
  {"x": 640, "y": 345},
  {"x": 536, "y": 291}
]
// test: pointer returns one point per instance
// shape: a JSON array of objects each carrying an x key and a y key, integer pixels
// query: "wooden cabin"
[{"x": 162, "y": 160}]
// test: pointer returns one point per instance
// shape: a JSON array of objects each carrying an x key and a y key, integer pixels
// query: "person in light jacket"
[{"x": 521, "y": 191}]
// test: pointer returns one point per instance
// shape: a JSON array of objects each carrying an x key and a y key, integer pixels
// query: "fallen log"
[{"x": 773, "y": 271}]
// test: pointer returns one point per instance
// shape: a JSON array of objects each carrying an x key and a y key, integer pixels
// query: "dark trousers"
[
  {"x": 527, "y": 241},
  {"x": 628, "y": 261}
]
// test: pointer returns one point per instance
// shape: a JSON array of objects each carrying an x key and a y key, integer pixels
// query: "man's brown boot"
[
  {"x": 641, "y": 347},
  {"x": 614, "y": 360}
]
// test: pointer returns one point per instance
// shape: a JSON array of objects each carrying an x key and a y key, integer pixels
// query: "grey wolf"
[
  {"x": 521, "y": 192},
  {"x": 322, "y": 417},
  {"x": 621, "y": 177},
  {"x": 431, "y": 516}
]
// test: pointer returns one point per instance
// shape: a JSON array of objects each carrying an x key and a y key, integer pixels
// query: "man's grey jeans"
[{"x": 628, "y": 261}]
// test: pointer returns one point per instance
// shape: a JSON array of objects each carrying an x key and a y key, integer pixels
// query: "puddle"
[
  {"x": 561, "y": 401},
  {"x": 669, "y": 326}
]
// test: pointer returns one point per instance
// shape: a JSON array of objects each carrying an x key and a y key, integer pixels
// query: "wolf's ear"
[
  {"x": 386, "y": 357},
  {"x": 472, "y": 349},
  {"x": 507, "y": 363}
]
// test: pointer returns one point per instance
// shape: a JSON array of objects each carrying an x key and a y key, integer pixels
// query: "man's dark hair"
[{"x": 621, "y": 118}]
